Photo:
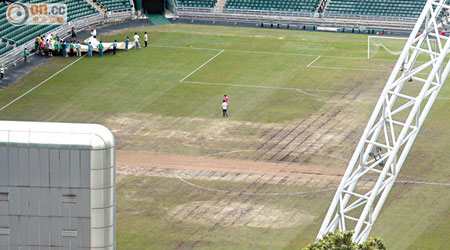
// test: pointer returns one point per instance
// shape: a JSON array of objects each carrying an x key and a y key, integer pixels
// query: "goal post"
[
  {"x": 387, "y": 45},
  {"x": 391, "y": 45}
]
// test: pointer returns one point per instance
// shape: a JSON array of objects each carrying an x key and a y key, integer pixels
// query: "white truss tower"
[{"x": 399, "y": 114}]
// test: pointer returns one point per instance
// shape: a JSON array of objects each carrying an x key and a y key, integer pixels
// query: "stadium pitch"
[{"x": 264, "y": 177}]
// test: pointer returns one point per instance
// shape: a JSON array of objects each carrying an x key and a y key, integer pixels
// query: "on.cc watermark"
[{"x": 36, "y": 14}]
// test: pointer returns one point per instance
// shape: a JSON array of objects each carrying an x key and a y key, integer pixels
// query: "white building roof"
[{"x": 55, "y": 135}]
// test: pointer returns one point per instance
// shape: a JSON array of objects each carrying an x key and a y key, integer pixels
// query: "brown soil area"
[{"x": 198, "y": 163}]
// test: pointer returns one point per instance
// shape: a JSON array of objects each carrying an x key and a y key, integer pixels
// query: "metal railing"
[
  {"x": 321, "y": 6},
  {"x": 15, "y": 55},
  {"x": 183, "y": 9},
  {"x": 118, "y": 15},
  {"x": 8, "y": 41},
  {"x": 370, "y": 17}
]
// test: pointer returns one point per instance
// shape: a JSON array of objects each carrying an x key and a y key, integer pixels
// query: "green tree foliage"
[{"x": 343, "y": 241}]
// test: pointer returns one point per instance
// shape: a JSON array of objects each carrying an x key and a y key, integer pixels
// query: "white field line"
[
  {"x": 337, "y": 158},
  {"x": 343, "y": 68},
  {"x": 269, "y": 52},
  {"x": 181, "y": 47},
  {"x": 267, "y": 87},
  {"x": 423, "y": 182},
  {"x": 293, "y": 193},
  {"x": 251, "y": 193},
  {"x": 35, "y": 87},
  {"x": 201, "y": 48},
  {"x": 290, "y": 54},
  {"x": 284, "y": 151},
  {"x": 315, "y": 60},
  {"x": 201, "y": 66}
]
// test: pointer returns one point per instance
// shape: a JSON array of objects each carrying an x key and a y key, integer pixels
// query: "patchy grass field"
[{"x": 296, "y": 98}]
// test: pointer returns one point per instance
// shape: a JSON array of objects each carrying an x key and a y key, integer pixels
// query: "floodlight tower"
[{"x": 395, "y": 122}]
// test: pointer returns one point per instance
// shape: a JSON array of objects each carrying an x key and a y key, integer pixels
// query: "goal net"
[{"x": 382, "y": 46}]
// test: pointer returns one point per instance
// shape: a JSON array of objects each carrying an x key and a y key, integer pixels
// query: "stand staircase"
[
  {"x": 96, "y": 6},
  {"x": 219, "y": 5},
  {"x": 322, "y": 6}
]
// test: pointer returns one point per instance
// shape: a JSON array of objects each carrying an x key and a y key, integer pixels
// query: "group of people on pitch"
[
  {"x": 53, "y": 45},
  {"x": 137, "y": 44},
  {"x": 137, "y": 41}
]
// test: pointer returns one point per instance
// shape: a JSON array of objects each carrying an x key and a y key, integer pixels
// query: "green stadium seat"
[
  {"x": 399, "y": 8},
  {"x": 113, "y": 5},
  {"x": 24, "y": 34},
  {"x": 197, "y": 3},
  {"x": 274, "y": 5}
]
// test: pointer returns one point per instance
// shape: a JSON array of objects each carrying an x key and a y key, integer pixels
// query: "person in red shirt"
[
  {"x": 226, "y": 98},
  {"x": 42, "y": 47}
]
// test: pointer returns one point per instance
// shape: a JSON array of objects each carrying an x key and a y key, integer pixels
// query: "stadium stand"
[
  {"x": 114, "y": 5},
  {"x": 197, "y": 3},
  {"x": 273, "y": 5},
  {"x": 23, "y": 34},
  {"x": 4, "y": 48},
  {"x": 399, "y": 8},
  {"x": 369, "y": 16}
]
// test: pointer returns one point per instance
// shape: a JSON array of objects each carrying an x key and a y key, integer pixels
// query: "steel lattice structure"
[{"x": 395, "y": 122}]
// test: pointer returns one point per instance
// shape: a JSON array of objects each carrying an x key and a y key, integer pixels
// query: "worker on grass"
[
  {"x": 78, "y": 48},
  {"x": 90, "y": 49},
  {"x": 145, "y": 39},
  {"x": 136, "y": 41},
  {"x": 2, "y": 72},
  {"x": 100, "y": 49},
  {"x": 25, "y": 55},
  {"x": 224, "y": 108}
]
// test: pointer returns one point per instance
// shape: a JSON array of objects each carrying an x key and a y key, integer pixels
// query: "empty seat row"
[
  {"x": 197, "y": 3},
  {"x": 273, "y": 5},
  {"x": 400, "y": 8},
  {"x": 4, "y": 48},
  {"x": 114, "y": 4}
]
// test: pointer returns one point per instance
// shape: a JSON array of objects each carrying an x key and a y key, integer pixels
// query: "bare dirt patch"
[
  {"x": 150, "y": 161},
  {"x": 310, "y": 178},
  {"x": 237, "y": 214}
]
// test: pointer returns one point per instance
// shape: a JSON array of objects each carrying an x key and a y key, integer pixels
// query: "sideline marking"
[
  {"x": 291, "y": 193},
  {"x": 269, "y": 52},
  {"x": 262, "y": 87},
  {"x": 423, "y": 182},
  {"x": 282, "y": 53},
  {"x": 315, "y": 60},
  {"x": 250, "y": 193},
  {"x": 24, "y": 94},
  {"x": 343, "y": 68},
  {"x": 201, "y": 66},
  {"x": 337, "y": 158}
]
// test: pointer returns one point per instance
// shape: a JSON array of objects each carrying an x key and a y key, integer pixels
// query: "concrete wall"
[
  {"x": 103, "y": 199},
  {"x": 55, "y": 196}
]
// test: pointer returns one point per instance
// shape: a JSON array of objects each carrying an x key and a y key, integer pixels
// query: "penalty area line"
[
  {"x": 35, "y": 87},
  {"x": 315, "y": 60},
  {"x": 303, "y": 91},
  {"x": 270, "y": 52},
  {"x": 344, "y": 68},
  {"x": 201, "y": 66}
]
